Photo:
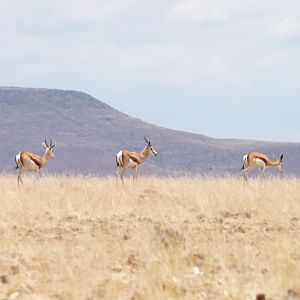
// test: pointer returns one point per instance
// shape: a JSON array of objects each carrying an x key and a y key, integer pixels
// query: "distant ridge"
[{"x": 89, "y": 133}]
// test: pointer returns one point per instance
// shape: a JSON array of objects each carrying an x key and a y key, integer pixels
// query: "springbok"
[
  {"x": 127, "y": 159},
  {"x": 30, "y": 162},
  {"x": 260, "y": 161}
]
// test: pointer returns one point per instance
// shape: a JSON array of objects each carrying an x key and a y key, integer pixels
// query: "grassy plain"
[{"x": 160, "y": 238}]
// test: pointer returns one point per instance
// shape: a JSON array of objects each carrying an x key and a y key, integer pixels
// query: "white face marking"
[
  {"x": 49, "y": 150},
  {"x": 153, "y": 151}
]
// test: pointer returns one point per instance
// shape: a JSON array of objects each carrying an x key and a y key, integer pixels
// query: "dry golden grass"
[{"x": 161, "y": 238}]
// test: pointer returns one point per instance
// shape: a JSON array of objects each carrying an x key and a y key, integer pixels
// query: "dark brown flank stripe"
[
  {"x": 133, "y": 158},
  {"x": 262, "y": 158},
  {"x": 38, "y": 163}
]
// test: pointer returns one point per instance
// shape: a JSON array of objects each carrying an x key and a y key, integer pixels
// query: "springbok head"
[
  {"x": 149, "y": 146},
  {"x": 49, "y": 148}
]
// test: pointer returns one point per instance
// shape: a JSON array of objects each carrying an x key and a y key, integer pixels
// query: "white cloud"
[
  {"x": 287, "y": 29},
  {"x": 199, "y": 11},
  {"x": 211, "y": 51}
]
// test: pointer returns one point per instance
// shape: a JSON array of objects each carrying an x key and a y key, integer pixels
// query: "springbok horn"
[
  {"x": 146, "y": 140},
  {"x": 46, "y": 143}
]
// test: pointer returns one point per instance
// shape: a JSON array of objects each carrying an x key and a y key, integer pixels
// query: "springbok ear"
[
  {"x": 281, "y": 157},
  {"x": 44, "y": 145}
]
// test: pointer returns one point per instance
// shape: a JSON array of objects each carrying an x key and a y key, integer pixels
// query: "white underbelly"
[
  {"x": 132, "y": 164},
  {"x": 259, "y": 163},
  {"x": 30, "y": 166}
]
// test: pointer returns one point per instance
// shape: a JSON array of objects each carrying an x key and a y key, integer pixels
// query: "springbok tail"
[{"x": 17, "y": 166}]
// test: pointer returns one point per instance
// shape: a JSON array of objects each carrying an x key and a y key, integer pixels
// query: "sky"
[{"x": 226, "y": 69}]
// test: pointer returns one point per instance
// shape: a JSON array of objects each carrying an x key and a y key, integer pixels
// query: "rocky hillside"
[{"x": 89, "y": 133}]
